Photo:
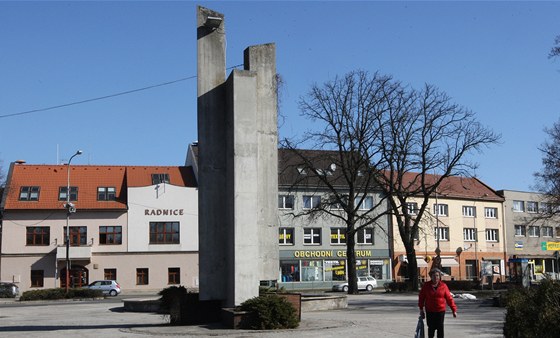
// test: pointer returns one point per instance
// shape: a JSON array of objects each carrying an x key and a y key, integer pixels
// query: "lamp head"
[{"x": 79, "y": 152}]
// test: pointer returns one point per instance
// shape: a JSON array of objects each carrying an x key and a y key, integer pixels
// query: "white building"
[{"x": 134, "y": 224}]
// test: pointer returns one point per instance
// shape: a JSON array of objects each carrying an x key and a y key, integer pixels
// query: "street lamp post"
[
  {"x": 437, "y": 260},
  {"x": 69, "y": 209}
]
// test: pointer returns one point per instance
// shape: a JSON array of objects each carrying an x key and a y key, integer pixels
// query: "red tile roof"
[
  {"x": 460, "y": 187},
  {"x": 87, "y": 178}
]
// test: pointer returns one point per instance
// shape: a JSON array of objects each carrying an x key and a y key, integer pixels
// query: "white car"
[
  {"x": 367, "y": 283},
  {"x": 110, "y": 287}
]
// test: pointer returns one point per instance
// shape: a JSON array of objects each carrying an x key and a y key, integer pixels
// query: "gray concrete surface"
[{"x": 368, "y": 315}]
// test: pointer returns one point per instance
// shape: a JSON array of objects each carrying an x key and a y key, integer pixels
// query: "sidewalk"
[{"x": 368, "y": 315}]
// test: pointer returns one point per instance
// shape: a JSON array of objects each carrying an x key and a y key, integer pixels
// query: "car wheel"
[
  {"x": 113, "y": 293},
  {"x": 345, "y": 288},
  {"x": 369, "y": 288}
]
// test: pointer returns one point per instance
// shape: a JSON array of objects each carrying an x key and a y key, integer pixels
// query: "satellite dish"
[{"x": 333, "y": 167}]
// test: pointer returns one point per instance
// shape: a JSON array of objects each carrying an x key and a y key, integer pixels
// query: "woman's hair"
[{"x": 435, "y": 270}]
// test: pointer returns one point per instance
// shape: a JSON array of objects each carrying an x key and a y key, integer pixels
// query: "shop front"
[{"x": 321, "y": 269}]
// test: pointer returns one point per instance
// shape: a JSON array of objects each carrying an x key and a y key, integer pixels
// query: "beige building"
[
  {"x": 533, "y": 242},
  {"x": 134, "y": 224},
  {"x": 468, "y": 216}
]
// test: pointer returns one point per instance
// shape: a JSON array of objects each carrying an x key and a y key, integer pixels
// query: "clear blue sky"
[{"x": 488, "y": 56}]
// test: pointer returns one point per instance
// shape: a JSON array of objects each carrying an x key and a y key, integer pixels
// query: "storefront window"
[
  {"x": 311, "y": 271},
  {"x": 290, "y": 271},
  {"x": 362, "y": 267},
  {"x": 376, "y": 269},
  {"x": 335, "y": 270}
]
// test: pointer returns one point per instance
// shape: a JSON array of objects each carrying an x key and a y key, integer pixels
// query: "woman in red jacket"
[{"x": 434, "y": 296}]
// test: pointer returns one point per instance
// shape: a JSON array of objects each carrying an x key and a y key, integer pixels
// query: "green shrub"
[
  {"x": 396, "y": 287},
  {"x": 461, "y": 285},
  {"x": 171, "y": 296},
  {"x": 5, "y": 293},
  {"x": 533, "y": 312},
  {"x": 173, "y": 302},
  {"x": 268, "y": 312},
  {"x": 185, "y": 308},
  {"x": 59, "y": 293}
]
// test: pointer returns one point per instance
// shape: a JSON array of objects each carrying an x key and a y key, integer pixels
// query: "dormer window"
[
  {"x": 29, "y": 193},
  {"x": 160, "y": 178},
  {"x": 106, "y": 193},
  {"x": 73, "y": 193}
]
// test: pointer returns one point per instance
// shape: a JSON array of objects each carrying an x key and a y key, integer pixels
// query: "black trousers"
[{"x": 435, "y": 322}]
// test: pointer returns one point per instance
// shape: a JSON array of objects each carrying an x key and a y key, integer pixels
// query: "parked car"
[
  {"x": 109, "y": 287},
  {"x": 8, "y": 290},
  {"x": 367, "y": 283}
]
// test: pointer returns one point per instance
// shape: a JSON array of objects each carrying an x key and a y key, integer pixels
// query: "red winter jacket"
[{"x": 434, "y": 299}]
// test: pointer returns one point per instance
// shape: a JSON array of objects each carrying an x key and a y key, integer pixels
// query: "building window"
[
  {"x": 491, "y": 235},
  {"x": 545, "y": 207},
  {"x": 532, "y": 207},
  {"x": 106, "y": 193},
  {"x": 110, "y": 274},
  {"x": 469, "y": 234},
  {"x": 62, "y": 193},
  {"x": 311, "y": 202},
  {"x": 547, "y": 231},
  {"x": 285, "y": 202},
  {"x": 290, "y": 271},
  {"x": 364, "y": 236},
  {"x": 442, "y": 233},
  {"x": 174, "y": 276},
  {"x": 160, "y": 178},
  {"x": 520, "y": 230},
  {"x": 286, "y": 236},
  {"x": 37, "y": 278},
  {"x": 441, "y": 210},
  {"x": 142, "y": 276},
  {"x": 29, "y": 193},
  {"x": 38, "y": 235},
  {"x": 469, "y": 211},
  {"x": 338, "y": 236},
  {"x": 164, "y": 232},
  {"x": 558, "y": 232},
  {"x": 78, "y": 236},
  {"x": 367, "y": 202},
  {"x": 534, "y": 231},
  {"x": 312, "y": 270},
  {"x": 491, "y": 212},
  {"x": 412, "y": 208},
  {"x": 518, "y": 206},
  {"x": 312, "y": 236},
  {"x": 109, "y": 235}
]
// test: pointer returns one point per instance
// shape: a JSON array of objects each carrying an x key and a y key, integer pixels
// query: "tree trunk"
[
  {"x": 351, "y": 257},
  {"x": 412, "y": 271}
]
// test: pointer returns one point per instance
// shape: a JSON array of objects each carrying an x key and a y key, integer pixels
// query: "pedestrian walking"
[{"x": 434, "y": 296}]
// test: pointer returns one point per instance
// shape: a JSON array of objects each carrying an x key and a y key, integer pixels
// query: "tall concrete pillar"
[
  {"x": 211, "y": 110},
  {"x": 262, "y": 60},
  {"x": 238, "y": 168}
]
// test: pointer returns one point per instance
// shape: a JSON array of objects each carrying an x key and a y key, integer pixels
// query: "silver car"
[
  {"x": 367, "y": 283},
  {"x": 109, "y": 287}
]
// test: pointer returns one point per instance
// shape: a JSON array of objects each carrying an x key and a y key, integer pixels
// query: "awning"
[{"x": 448, "y": 262}]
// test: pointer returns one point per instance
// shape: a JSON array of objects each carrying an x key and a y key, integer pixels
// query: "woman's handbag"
[{"x": 419, "y": 328}]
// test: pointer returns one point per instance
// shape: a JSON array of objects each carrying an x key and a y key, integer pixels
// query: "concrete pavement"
[{"x": 368, "y": 315}]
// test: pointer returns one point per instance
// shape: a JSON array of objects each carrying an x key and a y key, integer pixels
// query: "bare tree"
[
  {"x": 548, "y": 180},
  {"x": 555, "y": 50},
  {"x": 2, "y": 176},
  {"x": 403, "y": 143}
]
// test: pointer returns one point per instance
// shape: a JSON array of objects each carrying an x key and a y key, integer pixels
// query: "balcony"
[{"x": 76, "y": 252}]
